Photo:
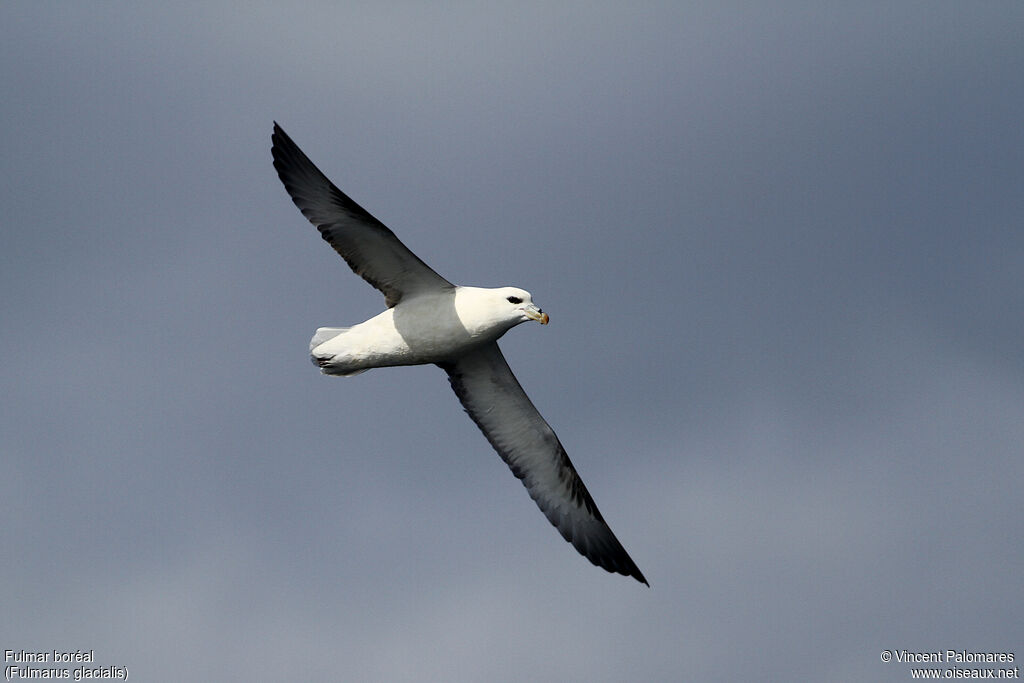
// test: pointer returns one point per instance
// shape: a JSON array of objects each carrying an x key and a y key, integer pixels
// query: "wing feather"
[
  {"x": 501, "y": 409},
  {"x": 366, "y": 244}
]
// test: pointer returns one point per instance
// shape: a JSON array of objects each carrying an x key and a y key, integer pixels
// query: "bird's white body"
[{"x": 433, "y": 327}]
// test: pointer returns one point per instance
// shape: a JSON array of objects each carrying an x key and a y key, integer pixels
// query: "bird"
[{"x": 428, "y": 320}]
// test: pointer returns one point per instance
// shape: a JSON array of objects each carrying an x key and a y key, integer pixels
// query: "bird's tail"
[
  {"x": 325, "y": 334},
  {"x": 325, "y": 360}
]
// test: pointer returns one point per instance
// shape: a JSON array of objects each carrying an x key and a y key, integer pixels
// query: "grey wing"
[
  {"x": 366, "y": 244},
  {"x": 498, "y": 405}
]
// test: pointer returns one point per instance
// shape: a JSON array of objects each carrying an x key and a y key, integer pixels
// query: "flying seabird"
[{"x": 430, "y": 320}]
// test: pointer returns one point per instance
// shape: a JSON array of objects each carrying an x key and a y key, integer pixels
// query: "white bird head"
[
  {"x": 483, "y": 310},
  {"x": 521, "y": 303}
]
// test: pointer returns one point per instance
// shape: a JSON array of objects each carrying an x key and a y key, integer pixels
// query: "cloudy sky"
[{"x": 782, "y": 251}]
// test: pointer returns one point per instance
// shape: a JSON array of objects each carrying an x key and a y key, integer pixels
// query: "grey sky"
[{"x": 781, "y": 248}]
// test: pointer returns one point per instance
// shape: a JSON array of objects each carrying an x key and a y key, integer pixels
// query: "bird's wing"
[
  {"x": 498, "y": 405},
  {"x": 366, "y": 244}
]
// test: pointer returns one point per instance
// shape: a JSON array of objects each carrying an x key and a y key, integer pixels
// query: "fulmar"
[{"x": 430, "y": 320}]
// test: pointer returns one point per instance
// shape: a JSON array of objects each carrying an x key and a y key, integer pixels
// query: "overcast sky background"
[{"x": 781, "y": 245}]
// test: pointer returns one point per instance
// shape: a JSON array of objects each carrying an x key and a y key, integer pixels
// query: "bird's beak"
[{"x": 534, "y": 313}]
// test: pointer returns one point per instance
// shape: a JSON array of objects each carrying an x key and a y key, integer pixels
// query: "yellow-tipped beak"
[{"x": 534, "y": 313}]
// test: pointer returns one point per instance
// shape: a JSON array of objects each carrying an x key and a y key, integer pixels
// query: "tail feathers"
[
  {"x": 351, "y": 373},
  {"x": 325, "y": 334}
]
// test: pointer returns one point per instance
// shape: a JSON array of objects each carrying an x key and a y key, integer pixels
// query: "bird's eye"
[{"x": 515, "y": 300}]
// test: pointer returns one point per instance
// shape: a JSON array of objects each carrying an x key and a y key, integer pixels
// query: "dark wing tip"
[
  {"x": 629, "y": 568},
  {"x": 638, "y": 575},
  {"x": 292, "y": 164},
  {"x": 585, "y": 528},
  {"x": 278, "y": 140},
  {"x": 313, "y": 193},
  {"x": 279, "y": 135},
  {"x": 603, "y": 549}
]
